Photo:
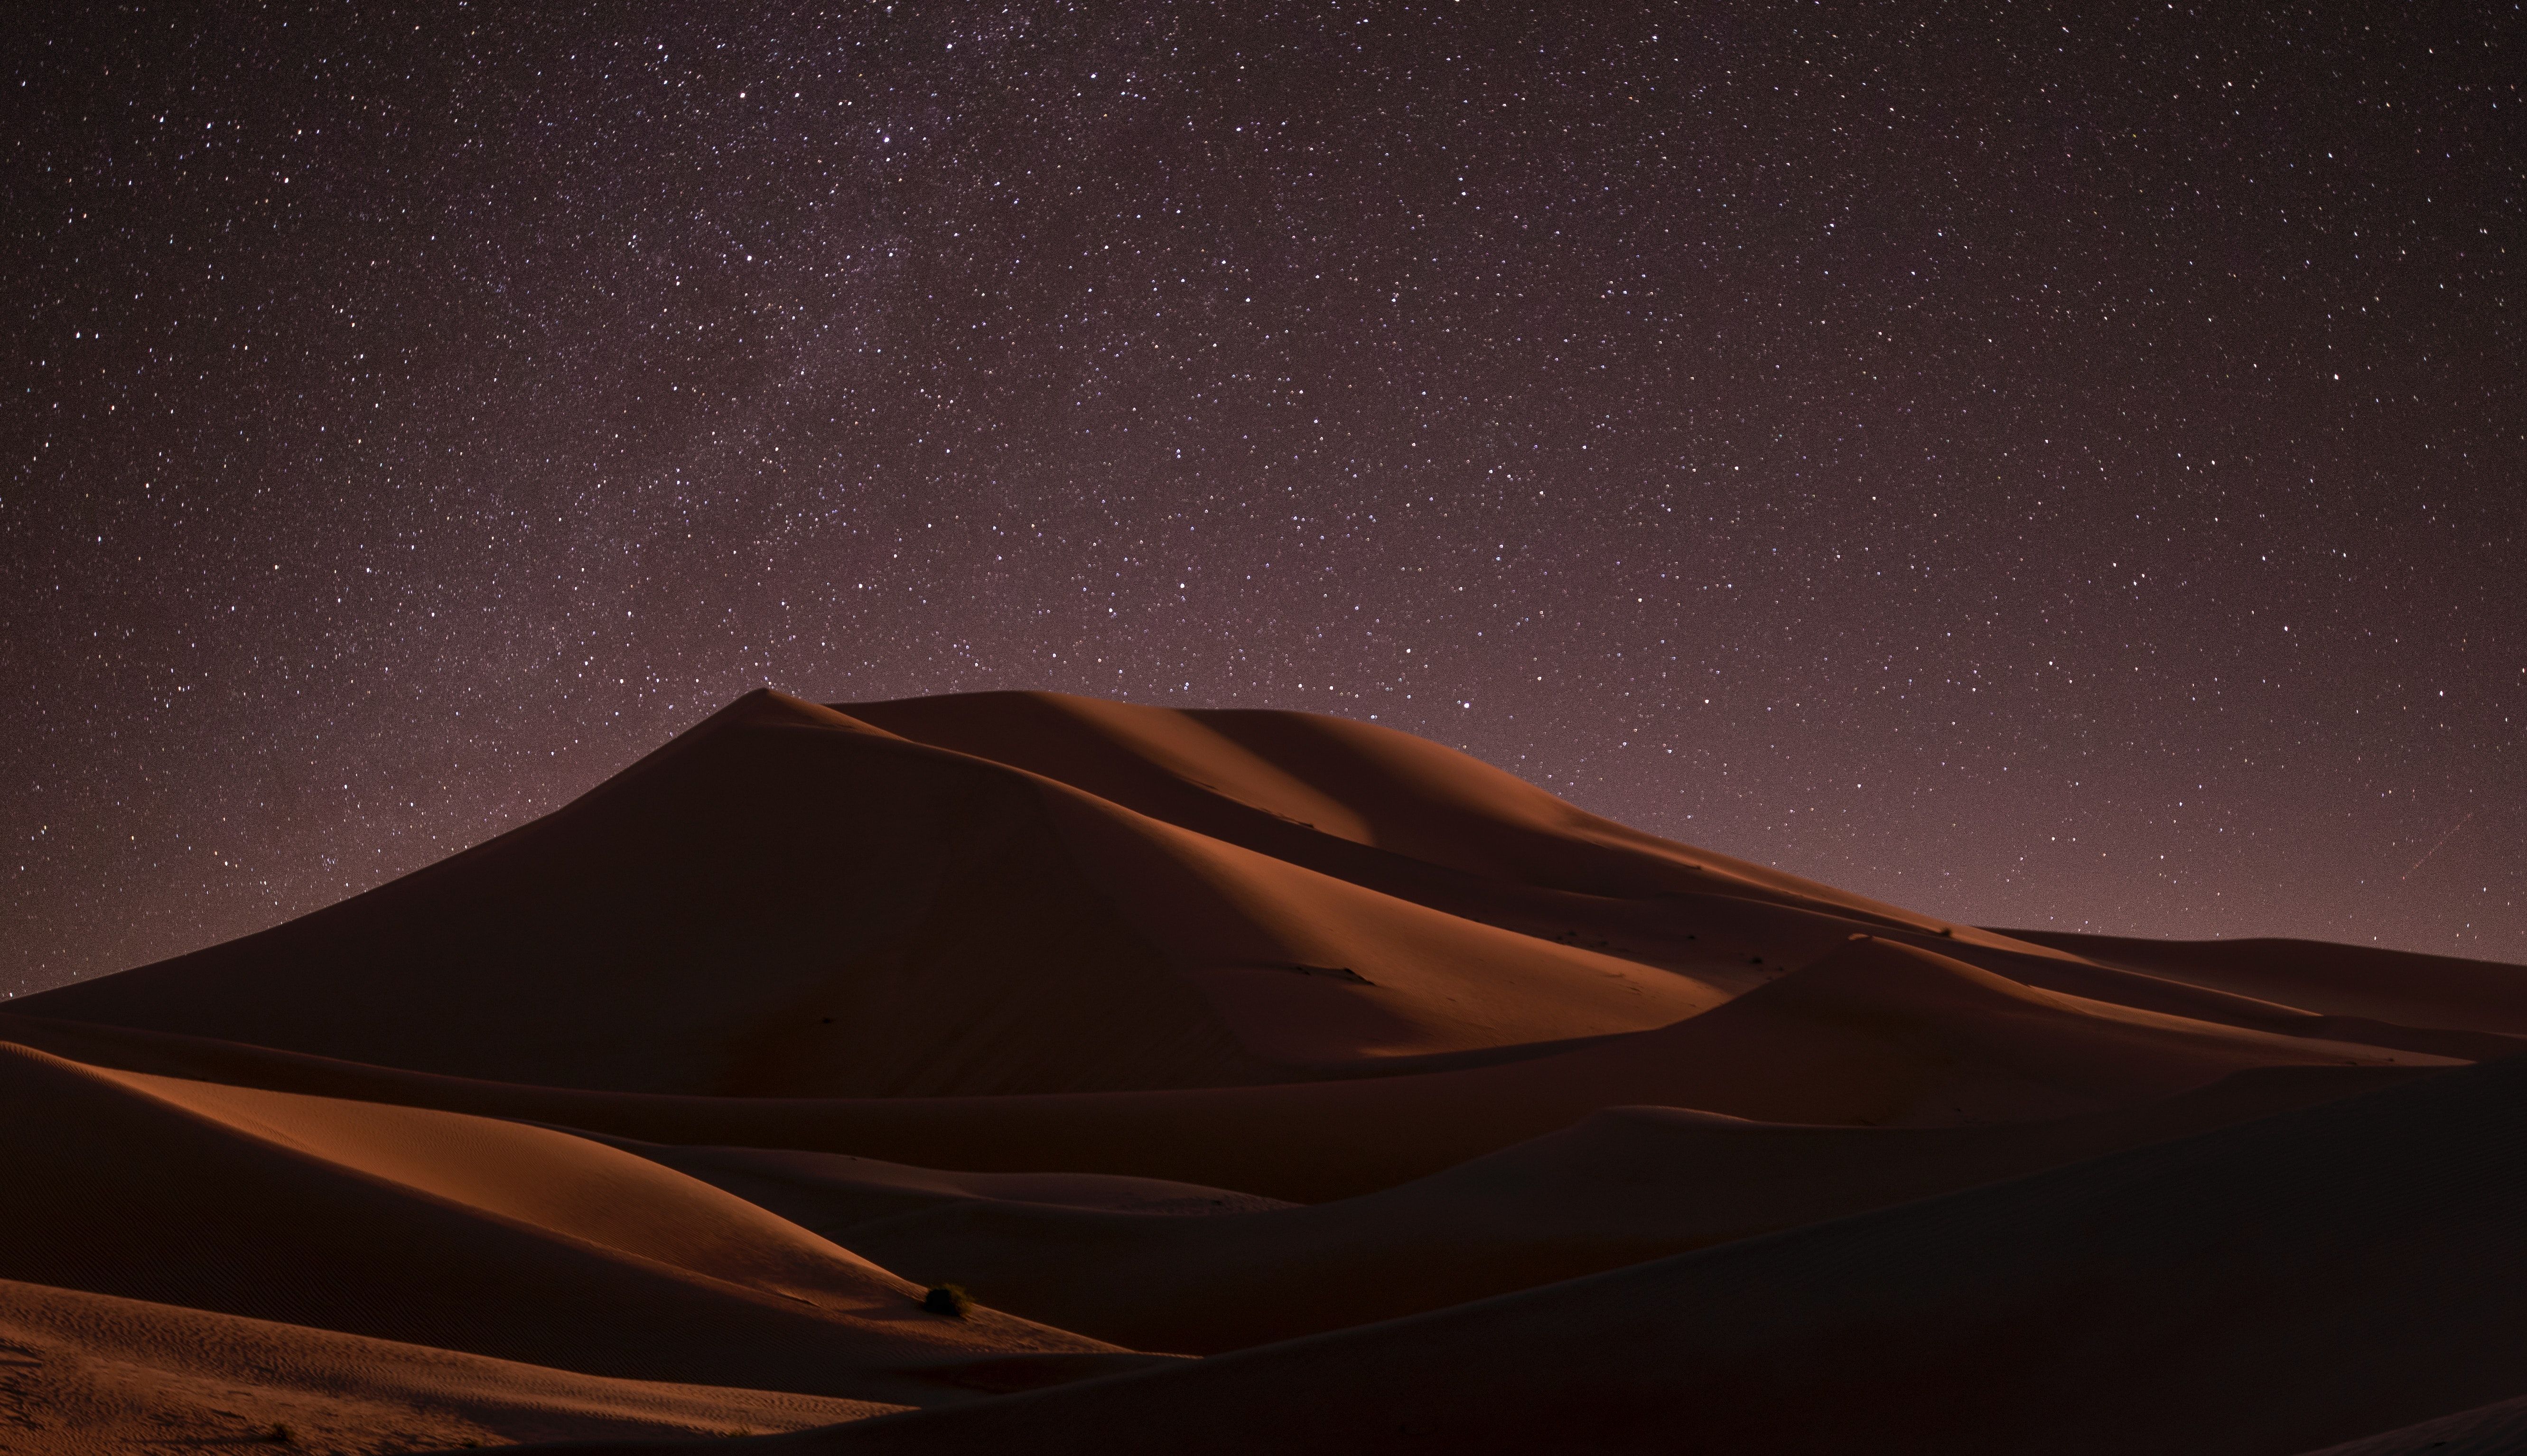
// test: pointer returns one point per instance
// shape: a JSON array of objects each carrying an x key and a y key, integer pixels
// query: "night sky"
[{"x": 2044, "y": 465}]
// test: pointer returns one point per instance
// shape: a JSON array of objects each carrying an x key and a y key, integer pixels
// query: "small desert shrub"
[{"x": 951, "y": 1300}]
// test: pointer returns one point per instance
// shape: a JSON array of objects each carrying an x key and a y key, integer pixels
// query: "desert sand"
[
  {"x": 1269, "y": 1081},
  {"x": 94, "y": 1374}
]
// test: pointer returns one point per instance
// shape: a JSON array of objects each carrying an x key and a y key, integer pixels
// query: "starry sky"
[{"x": 2042, "y": 464}]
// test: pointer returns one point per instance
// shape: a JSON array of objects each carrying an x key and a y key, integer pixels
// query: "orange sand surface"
[
  {"x": 92, "y": 1373},
  {"x": 1268, "y": 1081}
]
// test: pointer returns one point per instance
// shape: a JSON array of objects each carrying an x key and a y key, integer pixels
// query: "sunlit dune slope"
[
  {"x": 1624, "y": 1186},
  {"x": 2272, "y": 1286},
  {"x": 1876, "y": 1034},
  {"x": 93, "y": 1375},
  {"x": 438, "y": 1229}
]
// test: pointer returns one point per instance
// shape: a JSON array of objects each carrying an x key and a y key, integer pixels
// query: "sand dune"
[
  {"x": 788, "y": 900},
  {"x": 820, "y": 1190},
  {"x": 2351, "y": 981},
  {"x": 1877, "y": 1035},
  {"x": 778, "y": 901},
  {"x": 1622, "y": 1187},
  {"x": 91, "y": 1375},
  {"x": 437, "y": 1229},
  {"x": 783, "y": 901},
  {"x": 1434, "y": 1111},
  {"x": 2452, "y": 1027},
  {"x": 2304, "y": 1279}
]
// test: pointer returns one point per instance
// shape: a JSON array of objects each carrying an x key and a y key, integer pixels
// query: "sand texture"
[{"x": 1268, "y": 1082}]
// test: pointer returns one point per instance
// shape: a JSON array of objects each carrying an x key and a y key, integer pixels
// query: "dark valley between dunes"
[{"x": 1028, "y": 1072}]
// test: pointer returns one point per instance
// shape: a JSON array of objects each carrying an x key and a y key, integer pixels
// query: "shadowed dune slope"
[
  {"x": 777, "y": 901},
  {"x": 785, "y": 902},
  {"x": 507, "y": 1240},
  {"x": 91, "y": 1375},
  {"x": 820, "y": 1190},
  {"x": 1624, "y": 1186},
  {"x": 1876, "y": 1034},
  {"x": 2256, "y": 1291}
]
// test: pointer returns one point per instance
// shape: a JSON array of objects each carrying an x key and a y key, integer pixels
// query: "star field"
[{"x": 2046, "y": 466}]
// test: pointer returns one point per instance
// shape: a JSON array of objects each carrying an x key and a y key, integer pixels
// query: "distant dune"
[{"x": 1427, "y": 1111}]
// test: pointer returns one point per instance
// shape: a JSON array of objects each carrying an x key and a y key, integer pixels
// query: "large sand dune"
[
  {"x": 1432, "y": 1112},
  {"x": 787, "y": 902}
]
